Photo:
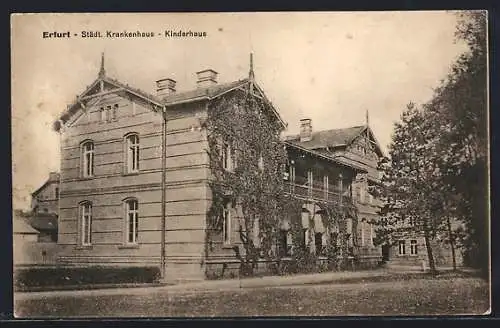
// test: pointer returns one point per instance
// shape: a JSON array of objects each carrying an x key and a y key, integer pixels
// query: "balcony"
[{"x": 301, "y": 189}]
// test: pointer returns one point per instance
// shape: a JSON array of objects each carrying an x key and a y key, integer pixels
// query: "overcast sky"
[{"x": 330, "y": 67}]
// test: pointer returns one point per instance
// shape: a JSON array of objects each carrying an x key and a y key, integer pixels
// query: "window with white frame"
[
  {"x": 103, "y": 114},
  {"x": 86, "y": 223},
  {"x": 370, "y": 198},
  {"x": 310, "y": 181},
  {"x": 325, "y": 186},
  {"x": 227, "y": 160},
  {"x": 88, "y": 159},
  {"x": 132, "y": 220},
  {"x": 362, "y": 194},
  {"x": 372, "y": 234},
  {"x": 115, "y": 111},
  {"x": 413, "y": 247},
  {"x": 132, "y": 153},
  {"x": 402, "y": 247},
  {"x": 108, "y": 113},
  {"x": 362, "y": 232},
  {"x": 260, "y": 163},
  {"x": 226, "y": 226}
]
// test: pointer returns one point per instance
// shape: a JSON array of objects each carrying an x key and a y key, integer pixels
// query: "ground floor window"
[
  {"x": 86, "y": 223},
  {"x": 402, "y": 247},
  {"x": 413, "y": 247},
  {"x": 226, "y": 216}
]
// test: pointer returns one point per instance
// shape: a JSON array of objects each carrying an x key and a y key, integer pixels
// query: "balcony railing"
[{"x": 302, "y": 190}]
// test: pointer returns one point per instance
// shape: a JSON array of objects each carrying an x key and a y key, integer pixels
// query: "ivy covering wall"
[{"x": 247, "y": 160}]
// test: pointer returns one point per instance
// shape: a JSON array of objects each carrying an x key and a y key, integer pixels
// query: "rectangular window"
[
  {"x": 285, "y": 243},
  {"x": 226, "y": 157},
  {"x": 57, "y": 192},
  {"x": 103, "y": 114},
  {"x": 132, "y": 153},
  {"x": 402, "y": 247},
  {"x": 325, "y": 186},
  {"x": 310, "y": 181},
  {"x": 413, "y": 247},
  {"x": 372, "y": 234},
  {"x": 226, "y": 216},
  {"x": 132, "y": 216},
  {"x": 362, "y": 233},
  {"x": 318, "y": 243},
  {"x": 108, "y": 113},
  {"x": 115, "y": 111},
  {"x": 260, "y": 163},
  {"x": 86, "y": 223},
  {"x": 292, "y": 177},
  {"x": 361, "y": 194}
]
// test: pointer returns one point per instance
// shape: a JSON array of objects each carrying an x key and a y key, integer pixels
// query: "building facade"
[
  {"x": 135, "y": 179},
  {"x": 46, "y": 198}
]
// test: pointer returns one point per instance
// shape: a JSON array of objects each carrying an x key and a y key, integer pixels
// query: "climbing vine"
[{"x": 247, "y": 160}]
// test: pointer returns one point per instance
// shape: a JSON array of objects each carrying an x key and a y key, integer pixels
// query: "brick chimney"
[
  {"x": 206, "y": 78},
  {"x": 305, "y": 129},
  {"x": 54, "y": 176},
  {"x": 165, "y": 87}
]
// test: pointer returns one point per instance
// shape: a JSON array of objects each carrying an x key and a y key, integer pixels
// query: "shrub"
[{"x": 43, "y": 277}]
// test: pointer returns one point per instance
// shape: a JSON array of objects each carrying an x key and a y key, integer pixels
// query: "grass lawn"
[{"x": 419, "y": 296}]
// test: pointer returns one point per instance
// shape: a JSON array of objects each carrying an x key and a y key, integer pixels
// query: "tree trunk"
[
  {"x": 452, "y": 244},
  {"x": 430, "y": 256}
]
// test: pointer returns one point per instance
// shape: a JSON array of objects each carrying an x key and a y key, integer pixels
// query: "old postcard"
[{"x": 250, "y": 164}]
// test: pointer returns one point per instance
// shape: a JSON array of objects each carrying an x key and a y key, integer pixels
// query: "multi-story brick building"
[{"x": 135, "y": 164}]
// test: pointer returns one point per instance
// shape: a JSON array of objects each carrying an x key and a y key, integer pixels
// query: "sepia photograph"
[{"x": 250, "y": 164}]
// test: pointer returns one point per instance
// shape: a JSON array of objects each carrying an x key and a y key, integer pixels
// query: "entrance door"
[{"x": 386, "y": 250}]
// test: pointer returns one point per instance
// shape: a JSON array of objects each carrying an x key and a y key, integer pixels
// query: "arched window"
[
  {"x": 132, "y": 153},
  {"x": 87, "y": 159},
  {"x": 85, "y": 223},
  {"x": 132, "y": 220},
  {"x": 227, "y": 223}
]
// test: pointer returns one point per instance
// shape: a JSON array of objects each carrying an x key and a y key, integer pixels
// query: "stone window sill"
[
  {"x": 228, "y": 246},
  {"x": 80, "y": 247},
  {"x": 129, "y": 246}
]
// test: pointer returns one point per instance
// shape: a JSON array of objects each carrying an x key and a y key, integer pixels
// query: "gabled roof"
[
  {"x": 312, "y": 152},
  {"x": 329, "y": 138},
  {"x": 203, "y": 93},
  {"x": 44, "y": 222},
  {"x": 207, "y": 93},
  {"x": 333, "y": 138}
]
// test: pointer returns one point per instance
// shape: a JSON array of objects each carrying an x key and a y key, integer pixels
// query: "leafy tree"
[
  {"x": 409, "y": 188},
  {"x": 437, "y": 169},
  {"x": 458, "y": 115}
]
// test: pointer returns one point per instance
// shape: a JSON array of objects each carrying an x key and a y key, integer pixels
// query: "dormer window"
[{"x": 260, "y": 163}]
